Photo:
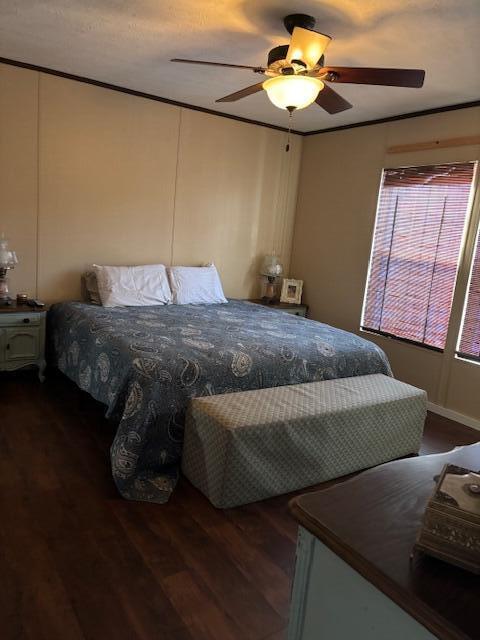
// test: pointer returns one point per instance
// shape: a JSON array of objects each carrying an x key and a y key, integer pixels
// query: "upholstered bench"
[{"x": 247, "y": 446}]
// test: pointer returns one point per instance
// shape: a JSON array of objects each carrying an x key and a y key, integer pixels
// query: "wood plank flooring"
[{"x": 77, "y": 562}]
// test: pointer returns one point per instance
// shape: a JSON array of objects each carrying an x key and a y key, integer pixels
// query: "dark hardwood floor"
[{"x": 78, "y": 562}]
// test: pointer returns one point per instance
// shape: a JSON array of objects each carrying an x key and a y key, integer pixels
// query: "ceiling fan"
[{"x": 297, "y": 75}]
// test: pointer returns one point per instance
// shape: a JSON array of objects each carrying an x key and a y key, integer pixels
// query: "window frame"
[
  {"x": 473, "y": 232},
  {"x": 466, "y": 233}
]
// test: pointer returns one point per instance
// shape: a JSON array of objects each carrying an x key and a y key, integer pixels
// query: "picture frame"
[{"x": 291, "y": 291}]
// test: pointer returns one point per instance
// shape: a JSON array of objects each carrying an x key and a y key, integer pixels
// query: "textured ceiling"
[{"x": 129, "y": 43}]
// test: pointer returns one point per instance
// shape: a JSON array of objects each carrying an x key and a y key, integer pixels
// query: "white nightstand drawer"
[{"x": 20, "y": 319}]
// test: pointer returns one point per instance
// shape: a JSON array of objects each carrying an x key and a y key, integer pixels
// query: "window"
[
  {"x": 418, "y": 235},
  {"x": 469, "y": 345}
]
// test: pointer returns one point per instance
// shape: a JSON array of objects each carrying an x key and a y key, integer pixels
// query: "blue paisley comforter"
[{"x": 146, "y": 363}]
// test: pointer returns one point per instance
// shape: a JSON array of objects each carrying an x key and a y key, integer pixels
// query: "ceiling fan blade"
[
  {"x": 308, "y": 46},
  {"x": 219, "y": 64},
  {"x": 243, "y": 93},
  {"x": 332, "y": 101},
  {"x": 366, "y": 75}
]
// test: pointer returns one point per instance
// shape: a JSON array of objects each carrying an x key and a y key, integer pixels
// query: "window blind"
[
  {"x": 418, "y": 234},
  {"x": 469, "y": 345}
]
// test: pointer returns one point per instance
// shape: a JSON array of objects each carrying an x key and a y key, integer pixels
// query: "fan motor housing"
[{"x": 299, "y": 20}]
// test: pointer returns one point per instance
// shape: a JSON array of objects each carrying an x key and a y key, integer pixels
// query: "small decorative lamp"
[
  {"x": 272, "y": 270},
  {"x": 8, "y": 260}
]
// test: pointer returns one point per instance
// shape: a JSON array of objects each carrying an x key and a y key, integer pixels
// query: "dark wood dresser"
[{"x": 355, "y": 576}]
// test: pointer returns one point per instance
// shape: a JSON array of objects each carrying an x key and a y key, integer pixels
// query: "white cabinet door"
[
  {"x": 331, "y": 601},
  {"x": 21, "y": 344}
]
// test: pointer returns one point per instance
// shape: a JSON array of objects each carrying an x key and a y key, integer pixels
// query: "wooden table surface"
[
  {"x": 278, "y": 304},
  {"x": 21, "y": 308},
  {"x": 371, "y": 522}
]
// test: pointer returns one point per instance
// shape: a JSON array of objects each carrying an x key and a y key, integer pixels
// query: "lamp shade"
[
  {"x": 271, "y": 267},
  {"x": 8, "y": 259},
  {"x": 292, "y": 91},
  {"x": 308, "y": 46}
]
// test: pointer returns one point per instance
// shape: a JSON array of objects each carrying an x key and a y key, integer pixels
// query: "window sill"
[
  {"x": 467, "y": 360},
  {"x": 390, "y": 336}
]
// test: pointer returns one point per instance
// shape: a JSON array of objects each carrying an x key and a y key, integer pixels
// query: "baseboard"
[{"x": 454, "y": 415}]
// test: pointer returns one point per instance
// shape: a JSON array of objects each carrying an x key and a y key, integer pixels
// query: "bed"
[{"x": 146, "y": 363}]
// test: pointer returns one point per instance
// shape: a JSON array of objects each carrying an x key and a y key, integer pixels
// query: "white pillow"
[
  {"x": 196, "y": 285},
  {"x": 133, "y": 286}
]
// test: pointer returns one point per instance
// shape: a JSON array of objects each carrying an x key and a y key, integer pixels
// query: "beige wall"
[
  {"x": 338, "y": 190},
  {"x": 18, "y": 170},
  {"x": 93, "y": 175}
]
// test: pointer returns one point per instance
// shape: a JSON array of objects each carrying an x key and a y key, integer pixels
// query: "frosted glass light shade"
[{"x": 292, "y": 91}]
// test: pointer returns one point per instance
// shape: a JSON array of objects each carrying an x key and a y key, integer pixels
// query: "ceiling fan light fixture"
[{"x": 296, "y": 92}]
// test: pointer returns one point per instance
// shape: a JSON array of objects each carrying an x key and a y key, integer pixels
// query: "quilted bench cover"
[{"x": 247, "y": 446}]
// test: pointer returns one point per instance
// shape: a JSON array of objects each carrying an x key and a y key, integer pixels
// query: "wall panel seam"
[
  {"x": 37, "y": 222},
  {"x": 298, "y": 204},
  {"x": 174, "y": 212}
]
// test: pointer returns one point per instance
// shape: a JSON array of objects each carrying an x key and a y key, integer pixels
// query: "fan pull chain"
[{"x": 290, "y": 114}]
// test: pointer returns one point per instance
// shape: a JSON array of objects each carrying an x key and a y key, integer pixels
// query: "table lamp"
[
  {"x": 272, "y": 270},
  {"x": 8, "y": 260}
]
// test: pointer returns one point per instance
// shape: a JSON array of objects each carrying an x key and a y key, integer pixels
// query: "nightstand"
[
  {"x": 294, "y": 309},
  {"x": 22, "y": 338}
]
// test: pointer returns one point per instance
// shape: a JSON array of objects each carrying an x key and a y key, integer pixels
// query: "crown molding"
[
  {"x": 141, "y": 94},
  {"x": 401, "y": 116},
  {"x": 221, "y": 114}
]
